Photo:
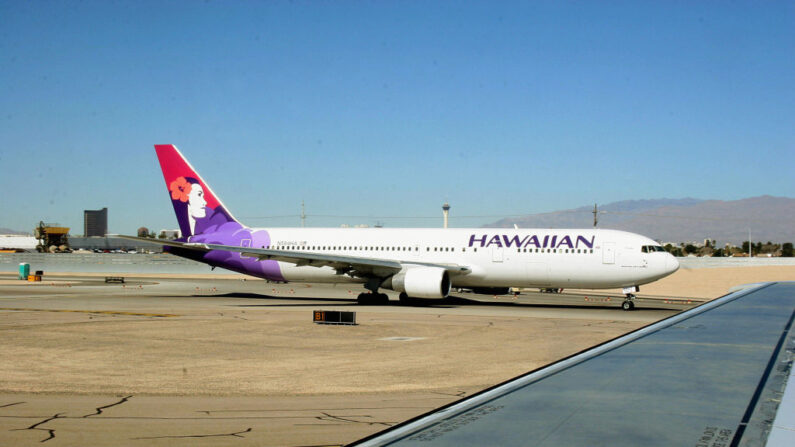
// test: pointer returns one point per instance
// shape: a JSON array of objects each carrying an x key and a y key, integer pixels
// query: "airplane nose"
[{"x": 671, "y": 264}]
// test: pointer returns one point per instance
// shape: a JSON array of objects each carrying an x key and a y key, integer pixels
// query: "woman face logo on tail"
[
  {"x": 196, "y": 202},
  {"x": 187, "y": 194}
]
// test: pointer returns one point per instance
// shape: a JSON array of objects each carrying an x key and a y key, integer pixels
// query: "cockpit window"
[{"x": 651, "y": 248}]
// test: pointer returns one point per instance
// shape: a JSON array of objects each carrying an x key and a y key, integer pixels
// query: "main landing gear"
[
  {"x": 629, "y": 302},
  {"x": 406, "y": 300},
  {"x": 370, "y": 298}
]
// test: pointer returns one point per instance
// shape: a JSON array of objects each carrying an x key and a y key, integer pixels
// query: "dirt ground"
[{"x": 216, "y": 360}]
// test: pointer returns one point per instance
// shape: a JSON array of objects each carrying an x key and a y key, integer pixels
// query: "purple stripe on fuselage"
[{"x": 234, "y": 234}]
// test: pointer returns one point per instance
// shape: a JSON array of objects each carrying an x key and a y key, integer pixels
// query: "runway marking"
[
  {"x": 402, "y": 338},
  {"x": 106, "y": 312}
]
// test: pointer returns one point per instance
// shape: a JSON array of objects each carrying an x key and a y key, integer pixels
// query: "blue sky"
[{"x": 379, "y": 109}]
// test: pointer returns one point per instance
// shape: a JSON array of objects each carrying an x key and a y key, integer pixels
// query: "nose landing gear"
[{"x": 629, "y": 302}]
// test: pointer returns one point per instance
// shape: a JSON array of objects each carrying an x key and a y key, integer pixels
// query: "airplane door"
[
  {"x": 609, "y": 253},
  {"x": 496, "y": 254}
]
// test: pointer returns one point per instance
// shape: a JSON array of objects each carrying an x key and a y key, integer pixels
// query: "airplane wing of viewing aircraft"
[{"x": 717, "y": 375}]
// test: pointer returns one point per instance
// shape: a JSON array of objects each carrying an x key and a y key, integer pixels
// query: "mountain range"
[
  {"x": 671, "y": 220},
  {"x": 679, "y": 220}
]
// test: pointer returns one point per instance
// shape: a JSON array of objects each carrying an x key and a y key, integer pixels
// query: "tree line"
[{"x": 784, "y": 250}]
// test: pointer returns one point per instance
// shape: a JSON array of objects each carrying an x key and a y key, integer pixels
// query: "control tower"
[{"x": 446, "y": 212}]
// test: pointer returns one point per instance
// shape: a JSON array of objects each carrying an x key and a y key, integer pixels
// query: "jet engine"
[{"x": 420, "y": 282}]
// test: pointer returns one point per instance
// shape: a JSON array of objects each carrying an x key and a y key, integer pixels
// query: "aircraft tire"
[
  {"x": 372, "y": 299},
  {"x": 627, "y": 305},
  {"x": 365, "y": 299}
]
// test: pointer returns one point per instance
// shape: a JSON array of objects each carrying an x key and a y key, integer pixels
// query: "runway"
[{"x": 223, "y": 361}]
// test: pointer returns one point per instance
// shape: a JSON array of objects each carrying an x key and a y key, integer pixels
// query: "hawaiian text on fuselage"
[{"x": 547, "y": 241}]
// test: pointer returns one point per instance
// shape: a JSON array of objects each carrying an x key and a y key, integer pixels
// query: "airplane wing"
[
  {"x": 715, "y": 375},
  {"x": 355, "y": 265}
]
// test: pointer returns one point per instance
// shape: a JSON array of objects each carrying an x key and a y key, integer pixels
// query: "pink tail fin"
[{"x": 197, "y": 207}]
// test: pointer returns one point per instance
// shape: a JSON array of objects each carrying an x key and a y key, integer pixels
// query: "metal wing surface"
[{"x": 716, "y": 375}]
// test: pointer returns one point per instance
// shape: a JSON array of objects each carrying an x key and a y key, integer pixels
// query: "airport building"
[
  {"x": 16, "y": 242},
  {"x": 110, "y": 244},
  {"x": 95, "y": 222}
]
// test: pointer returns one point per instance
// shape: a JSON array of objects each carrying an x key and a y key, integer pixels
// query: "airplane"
[{"x": 419, "y": 263}]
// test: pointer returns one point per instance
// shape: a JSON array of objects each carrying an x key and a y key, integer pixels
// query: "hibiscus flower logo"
[{"x": 180, "y": 188}]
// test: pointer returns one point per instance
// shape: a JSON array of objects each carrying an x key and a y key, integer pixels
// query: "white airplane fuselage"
[{"x": 559, "y": 258}]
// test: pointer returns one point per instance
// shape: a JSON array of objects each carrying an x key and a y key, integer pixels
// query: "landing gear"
[
  {"x": 372, "y": 297},
  {"x": 406, "y": 300},
  {"x": 629, "y": 302},
  {"x": 368, "y": 298}
]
